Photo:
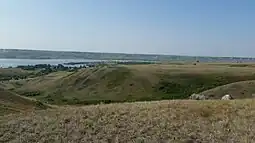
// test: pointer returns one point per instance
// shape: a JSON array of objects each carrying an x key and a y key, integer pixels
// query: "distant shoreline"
[
  {"x": 117, "y": 53},
  {"x": 69, "y": 55},
  {"x": 5, "y": 63}
]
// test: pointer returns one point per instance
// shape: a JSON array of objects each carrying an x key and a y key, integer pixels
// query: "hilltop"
[{"x": 160, "y": 121}]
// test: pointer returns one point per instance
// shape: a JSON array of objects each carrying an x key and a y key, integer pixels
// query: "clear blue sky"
[{"x": 186, "y": 27}]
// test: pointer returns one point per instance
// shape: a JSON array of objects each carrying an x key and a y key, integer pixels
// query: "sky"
[{"x": 175, "y": 27}]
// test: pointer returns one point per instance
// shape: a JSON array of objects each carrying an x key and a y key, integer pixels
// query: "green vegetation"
[
  {"x": 44, "y": 69},
  {"x": 13, "y": 73},
  {"x": 181, "y": 86},
  {"x": 24, "y": 72}
]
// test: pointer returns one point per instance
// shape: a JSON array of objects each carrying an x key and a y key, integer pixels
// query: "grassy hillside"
[
  {"x": 129, "y": 83},
  {"x": 242, "y": 89},
  {"x": 13, "y": 73},
  {"x": 12, "y": 103},
  {"x": 33, "y": 84},
  {"x": 164, "y": 121}
]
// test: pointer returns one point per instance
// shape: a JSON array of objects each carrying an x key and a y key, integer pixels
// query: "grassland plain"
[
  {"x": 157, "y": 121},
  {"x": 132, "y": 83}
]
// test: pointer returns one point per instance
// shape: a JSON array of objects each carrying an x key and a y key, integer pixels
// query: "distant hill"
[{"x": 39, "y": 54}]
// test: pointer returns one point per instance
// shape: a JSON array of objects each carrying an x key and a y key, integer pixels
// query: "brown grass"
[
  {"x": 13, "y": 103},
  {"x": 14, "y": 71},
  {"x": 164, "y": 121},
  {"x": 159, "y": 121},
  {"x": 199, "y": 68},
  {"x": 33, "y": 84}
]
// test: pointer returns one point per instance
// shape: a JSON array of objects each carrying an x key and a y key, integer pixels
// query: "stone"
[
  {"x": 197, "y": 97},
  {"x": 227, "y": 97}
]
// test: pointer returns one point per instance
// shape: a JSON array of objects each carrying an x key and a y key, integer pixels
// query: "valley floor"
[{"x": 159, "y": 121}]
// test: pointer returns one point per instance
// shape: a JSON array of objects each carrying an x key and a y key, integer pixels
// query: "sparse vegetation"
[
  {"x": 13, "y": 103},
  {"x": 161, "y": 121}
]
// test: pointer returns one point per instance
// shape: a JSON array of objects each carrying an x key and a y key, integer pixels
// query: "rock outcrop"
[
  {"x": 227, "y": 97},
  {"x": 197, "y": 97}
]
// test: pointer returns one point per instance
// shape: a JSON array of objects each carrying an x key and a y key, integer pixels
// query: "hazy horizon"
[{"x": 170, "y": 27}]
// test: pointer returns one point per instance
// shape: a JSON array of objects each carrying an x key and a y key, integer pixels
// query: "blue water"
[{"x": 4, "y": 63}]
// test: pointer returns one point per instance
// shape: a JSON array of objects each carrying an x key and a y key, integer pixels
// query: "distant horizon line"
[{"x": 74, "y": 51}]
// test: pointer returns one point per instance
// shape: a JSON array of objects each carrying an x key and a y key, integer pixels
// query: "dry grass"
[
  {"x": 159, "y": 121},
  {"x": 164, "y": 121},
  {"x": 201, "y": 68},
  {"x": 14, "y": 71},
  {"x": 240, "y": 90},
  {"x": 33, "y": 84},
  {"x": 13, "y": 103}
]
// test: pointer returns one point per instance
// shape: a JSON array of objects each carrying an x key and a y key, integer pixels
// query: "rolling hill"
[
  {"x": 149, "y": 121},
  {"x": 13, "y": 103},
  {"x": 13, "y": 73},
  {"x": 238, "y": 90},
  {"x": 129, "y": 83}
]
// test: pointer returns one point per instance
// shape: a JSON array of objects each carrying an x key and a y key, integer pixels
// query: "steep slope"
[
  {"x": 239, "y": 90},
  {"x": 164, "y": 121},
  {"x": 11, "y": 103}
]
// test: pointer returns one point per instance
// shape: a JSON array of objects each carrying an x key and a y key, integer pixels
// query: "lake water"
[{"x": 4, "y": 63}]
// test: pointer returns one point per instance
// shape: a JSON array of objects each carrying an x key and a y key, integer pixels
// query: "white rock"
[
  {"x": 197, "y": 97},
  {"x": 227, "y": 97}
]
